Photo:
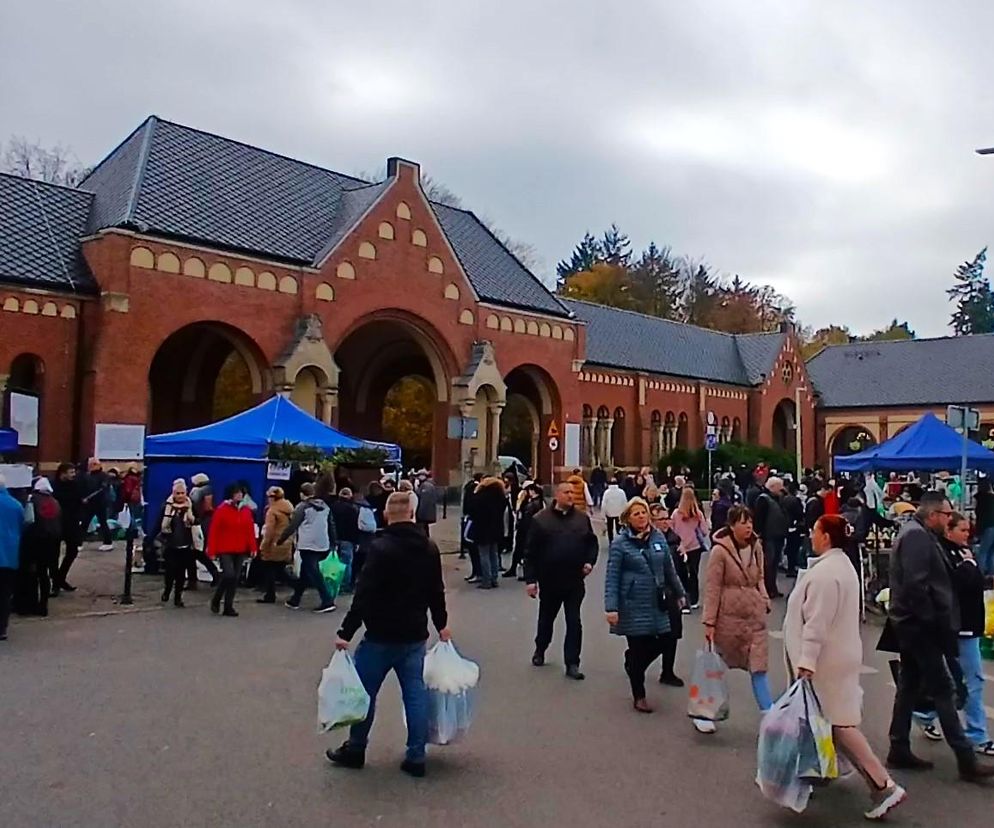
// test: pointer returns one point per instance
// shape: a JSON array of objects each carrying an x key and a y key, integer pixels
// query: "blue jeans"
[
  {"x": 373, "y": 661},
  {"x": 761, "y": 691},
  {"x": 489, "y": 562},
  {"x": 346, "y": 549},
  {"x": 985, "y": 552},
  {"x": 973, "y": 674}
]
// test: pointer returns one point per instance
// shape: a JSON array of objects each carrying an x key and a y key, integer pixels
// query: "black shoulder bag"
[{"x": 663, "y": 597}]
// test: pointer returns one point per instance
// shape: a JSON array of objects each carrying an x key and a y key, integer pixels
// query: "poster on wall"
[
  {"x": 17, "y": 475},
  {"x": 24, "y": 418},
  {"x": 572, "y": 445},
  {"x": 279, "y": 471},
  {"x": 117, "y": 441}
]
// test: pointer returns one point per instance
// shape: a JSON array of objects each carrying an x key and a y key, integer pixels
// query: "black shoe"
[
  {"x": 573, "y": 672},
  {"x": 54, "y": 593},
  {"x": 3, "y": 636},
  {"x": 510, "y": 574},
  {"x": 165, "y": 595},
  {"x": 970, "y": 770},
  {"x": 671, "y": 680},
  {"x": 67, "y": 587},
  {"x": 215, "y": 583},
  {"x": 346, "y": 757},
  {"x": 415, "y": 769},
  {"x": 215, "y": 606},
  {"x": 462, "y": 556},
  {"x": 906, "y": 760},
  {"x": 178, "y": 603},
  {"x": 472, "y": 579},
  {"x": 229, "y": 612},
  {"x": 266, "y": 599},
  {"x": 538, "y": 659},
  {"x": 192, "y": 585},
  {"x": 483, "y": 585}
]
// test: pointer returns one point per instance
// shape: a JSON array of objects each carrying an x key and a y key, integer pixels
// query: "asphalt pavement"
[{"x": 159, "y": 717}]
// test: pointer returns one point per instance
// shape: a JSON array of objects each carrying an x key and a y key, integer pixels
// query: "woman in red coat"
[{"x": 231, "y": 538}]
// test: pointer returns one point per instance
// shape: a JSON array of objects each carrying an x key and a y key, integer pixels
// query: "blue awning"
[
  {"x": 8, "y": 439},
  {"x": 248, "y": 435},
  {"x": 928, "y": 445}
]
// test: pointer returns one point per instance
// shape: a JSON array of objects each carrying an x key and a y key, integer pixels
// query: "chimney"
[{"x": 401, "y": 168}]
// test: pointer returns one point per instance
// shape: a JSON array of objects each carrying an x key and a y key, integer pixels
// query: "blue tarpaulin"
[
  {"x": 929, "y": 445},
  {"x": 8, "y": 440},
  {"x": 247, "y": 436}
]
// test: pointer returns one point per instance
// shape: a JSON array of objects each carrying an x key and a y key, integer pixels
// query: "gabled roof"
[
  {"x": 908, "y": 372},
  {"x": 634, "y": 341},
  {"x": 40, "y": 228},
  {"x": 190, "y": 185}
]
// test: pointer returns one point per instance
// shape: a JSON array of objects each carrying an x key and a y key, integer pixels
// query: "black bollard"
[{"x": 129, "y": 559}]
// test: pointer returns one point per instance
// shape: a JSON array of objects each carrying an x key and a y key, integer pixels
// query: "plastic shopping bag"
[
  {"x": 708, "y": 688},
  {"x": 342, "y": 700},
  {"x": 451, "y": 681},
  {"x": 124, "y": 518},
  {"x": 817, "y": 760},
  {"x": 783, "y": 734},
  {"x": 989, "y": 613},
  {"x": 332, "y": 570}
]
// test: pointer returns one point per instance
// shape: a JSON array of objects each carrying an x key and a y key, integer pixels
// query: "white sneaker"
[
  {"x": 886, "y": 800},
  {"x": 932, "y": 732},
  {"x": 696, "y": 606},
  {"x": 704, "y": 726},
  {"x": 106, "y": 547},
  {"x": 984, "y": 749}
]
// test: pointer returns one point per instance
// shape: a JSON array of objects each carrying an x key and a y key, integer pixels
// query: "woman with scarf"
[
  {"x": 177, "y": 530},
  {"x": 641, "y": 581}
]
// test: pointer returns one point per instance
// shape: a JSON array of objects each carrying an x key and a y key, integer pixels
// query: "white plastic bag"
[
  {"x": 342, "y": 700},
  {"x": 297, "y": 560},
  {"x": 124, "y": 518},
  {"x": 783, "y": 735},
  {"x": 451, "y": 681},
  {"x": 708, "y": 690}
]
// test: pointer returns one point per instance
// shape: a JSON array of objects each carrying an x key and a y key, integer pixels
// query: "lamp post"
[{"x": 797, "y": 429}]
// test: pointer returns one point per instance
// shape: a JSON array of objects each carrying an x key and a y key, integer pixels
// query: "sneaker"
[
  {"x": 906, "y": 760},
  {"x": 671, "y": 680},
  {"x": 970, "y": 770},
  {"x": 696, "y": 606},
  {"x": 265, "y": 599},
  {"x": 932, "y": 732},
  {"x": 704, "y": 726},
  {"x": 415, "y": 769},
  {"x": 538, "y": 659},
  {"x": 985, "y": 749},
  {"x": 67, "y": 587},
  {"x": 291, "y": 604},
  {"x": 106, "y": 547},
  {"x": 472, "y": 579},
  {"x": 346, "y": 757},
  {"x": 3, "y": 636},
  {"x": 323, "y": 609},
  {"x": 885, "y": 801},
  {"x": 685, "y": 611},
  {"x": 230, "y": 613}
]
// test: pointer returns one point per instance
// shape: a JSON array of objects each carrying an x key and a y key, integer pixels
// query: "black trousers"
[
  {"x": 96, "y": 508},
  {"x": 642, "y": 651},
  {"x": 200, "y": 556},
  {"x": 270, "y": 572},
  {"x": 44, "y": 563},
  {"x": 177, "y": 561},
  {"x": 792, "y": 549},
  {"x": 231, "y": 567},
  {"x": 550, "y": 600},
  {"x": 71, "y": 540},
  {"x": 923, "y": 673},
  {"x": 7, "y": 578},
  {"x": 772, "y": 553},
  {"x": 612, "y": 528},
  {"x": 692, "y": 582}
]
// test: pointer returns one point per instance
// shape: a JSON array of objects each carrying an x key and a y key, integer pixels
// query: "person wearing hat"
[
  {"x": 42, "y": 538},
  {"x": 202, "y": 498},
  {"x": 533, "y": 502},
  {"x": 129, "y": 497},
  {"x": 273, "y": 555},
  {"x": 177, "y": 529},
  {"x": 427, "y": 512}
]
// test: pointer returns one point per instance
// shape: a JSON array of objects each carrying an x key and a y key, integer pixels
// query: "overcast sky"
[{"x": 825, "y": 148}]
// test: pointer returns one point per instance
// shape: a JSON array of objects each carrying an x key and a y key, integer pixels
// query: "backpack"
[
  {"x": 47, "y": 517},
  {"x": 367, "y": 520}
]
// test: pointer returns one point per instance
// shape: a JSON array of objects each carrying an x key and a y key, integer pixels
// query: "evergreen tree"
[
  {"x": 974, "y": 312},
  {"x": 586, "y": 254},
  {"x": 616, "y": 247},
  {"x": 656, "y": 281},
  {"x": 699, "y": 299}
]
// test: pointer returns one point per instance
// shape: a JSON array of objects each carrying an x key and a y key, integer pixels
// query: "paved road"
[{"x": 179, "y": 718}]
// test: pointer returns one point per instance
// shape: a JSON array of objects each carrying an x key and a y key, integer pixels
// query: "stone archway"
[
  {"x": 534, "y": 394},
  {"x": 784, "y": 426},
  {"x": 204, "y": 372},
  {"x": 851, "y": 440},
  {"x": 307, "y": 372}
]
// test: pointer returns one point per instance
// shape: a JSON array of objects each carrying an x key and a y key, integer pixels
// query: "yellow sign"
[{"x": 553, "y": 430}]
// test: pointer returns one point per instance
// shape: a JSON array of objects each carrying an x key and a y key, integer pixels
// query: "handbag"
[
  {"x": 702, "y": 538},
  {"x": 663, "y": 597}
]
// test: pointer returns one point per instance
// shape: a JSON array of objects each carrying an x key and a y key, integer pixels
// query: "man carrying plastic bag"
[
  {"x": 400, "y": 583},
  {"x": 451, "y": 681},
  {"x": 342, "y": 700}
]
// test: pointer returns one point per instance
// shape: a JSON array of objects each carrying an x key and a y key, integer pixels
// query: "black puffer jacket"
[
  {"x": 487, "y": 510},
  {"x": 559, "y": 545},
  {"x": 968, "y": 584}
]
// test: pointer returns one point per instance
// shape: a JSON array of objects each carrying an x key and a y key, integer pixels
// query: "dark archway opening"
[{"x": 784, "y": 426}]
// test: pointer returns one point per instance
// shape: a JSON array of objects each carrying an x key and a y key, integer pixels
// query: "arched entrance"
[
  {"x": 851, "y": 440},
  {"x": 784, "y": 426},
  {"x": 393, "y": 378},
  {"x": 532, "y": 401},
  {"x": 202, "y": 373},
  {"x": 26, "y": 378},
  {"x": 306, "y": 391}
]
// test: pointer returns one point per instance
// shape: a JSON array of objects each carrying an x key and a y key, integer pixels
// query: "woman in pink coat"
[{"x": 822, "y": 643}]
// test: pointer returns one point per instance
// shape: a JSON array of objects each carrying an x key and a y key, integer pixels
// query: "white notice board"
[
  {"x": 24, "y": 418},
  {"x": 117, "y": 441},
  {"x": 572, "y": 445}
]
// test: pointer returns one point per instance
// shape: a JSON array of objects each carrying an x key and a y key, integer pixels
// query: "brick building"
[{"x": 190, "y": 276}]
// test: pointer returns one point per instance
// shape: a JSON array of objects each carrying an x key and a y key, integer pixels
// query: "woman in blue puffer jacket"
[{"x": 641, "y": 579}]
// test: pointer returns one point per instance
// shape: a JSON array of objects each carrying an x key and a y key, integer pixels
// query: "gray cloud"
[{"x": 825, "y": 148}]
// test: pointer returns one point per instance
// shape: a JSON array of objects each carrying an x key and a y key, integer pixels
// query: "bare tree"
[{"x": 57, "y": 164}]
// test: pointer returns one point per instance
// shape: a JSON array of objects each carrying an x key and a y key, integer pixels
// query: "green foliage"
[
  {"x": 974, "y": 299},
  {"x": 585, "y": 255},
  {"x": 292, "y": 452},
  {"x": 734, "y": 454}
]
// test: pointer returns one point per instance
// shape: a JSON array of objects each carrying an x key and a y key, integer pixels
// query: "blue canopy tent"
[
  {"x": 8, "y": 440},
  {"x": 929, "y": 446},
  {"x": 237, "y": 448}
]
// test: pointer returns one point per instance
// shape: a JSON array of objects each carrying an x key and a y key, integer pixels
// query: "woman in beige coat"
[
  {"x": 822, "y": 643},
  {"x": 274, "y": 556},
  {"x": 736, "y": 605}
]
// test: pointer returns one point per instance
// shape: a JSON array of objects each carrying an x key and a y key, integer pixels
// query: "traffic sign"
[
  {"x": 553, "y": 430},
  {"x": 553, "y": 444},
  {"x": 711, "y": 442}
]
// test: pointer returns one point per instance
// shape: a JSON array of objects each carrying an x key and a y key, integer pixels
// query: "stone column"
[
  {"x": 608, "y": 448},
  {"x": 493, "y": 437},
  {"x": 660, "y": 443},
  {"x": 327, "y": 405},
  {"x": 588, "y": 450}
]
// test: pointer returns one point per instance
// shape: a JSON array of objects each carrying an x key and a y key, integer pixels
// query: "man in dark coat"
[
  {"x": 771, "y": 524},
  {"x": 67, "y": 491},
  {"x": 794, "y": 510},
  {"x": 924, "y": 616},
  {"x": 598, "y": 484},
  {"x": 561, "y": 553},
  {"x": 95, "y": 486}
]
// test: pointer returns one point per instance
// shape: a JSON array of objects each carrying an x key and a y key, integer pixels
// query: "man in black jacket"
[
  {"x": 70, "y": 496},
  {"x": 794, "y": 510},
  {"x": 401, "y": 582},
  {"x": 346, "y": 514},
  {"x": 771, "y": 523},
  {"x": 924, "y": 616},
  {"x": 561, "y": 552}
]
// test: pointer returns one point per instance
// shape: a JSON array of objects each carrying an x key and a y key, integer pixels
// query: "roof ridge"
[
  {"x": 43, "y": 183},
  {"x": 655, "y": 318},
  {"x": 867, "y": 343},
  {"x": 139, "y": 180},
  {"x": 114, "y": 151},
  {"x": 263, "y": 150}
]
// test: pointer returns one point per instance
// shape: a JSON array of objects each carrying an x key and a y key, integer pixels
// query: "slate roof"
[
  {"x": 40, "y": 228},
  {"x": 911, "y": 372},
  {"x": 180, "y": 182},
  {"x": 633, "y": 341}
]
